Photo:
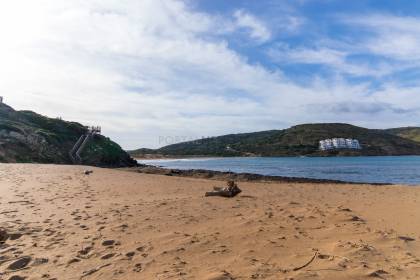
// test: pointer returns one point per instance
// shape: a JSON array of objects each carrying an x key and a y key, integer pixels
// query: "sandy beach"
[{"x": 58, "y": 223}]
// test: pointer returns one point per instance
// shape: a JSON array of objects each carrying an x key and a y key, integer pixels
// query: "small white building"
[
  {"x": 326, "y": 144},
  {"x": 339, "y": 143},
  {"x": 355, "y": 144},
  {"x": 322, "y": 145}
]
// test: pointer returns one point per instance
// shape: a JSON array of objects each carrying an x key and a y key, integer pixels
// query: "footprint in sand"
[
  {"x": 74, "y": 260},
  {"x": 138, "y": 267},
  {"x": 3, "y": 236},
  {"x": 85, "y": 251},
  {"x": 108, "y": 243},
  {"x": 39, "y": 261},
  {"x": 108, "y": 256},
  {"x": 20, "y": 263},
  {"x": 406, "y": 238},
  {"x": 357, "y": 219},
  {"x": 219, "y": 276},
  {"x": 16, "y": 277},
  {"x": 378, "y": 274}
]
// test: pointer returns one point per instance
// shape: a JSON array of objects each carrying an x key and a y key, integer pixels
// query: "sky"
[{"x": 156, "y": 72}]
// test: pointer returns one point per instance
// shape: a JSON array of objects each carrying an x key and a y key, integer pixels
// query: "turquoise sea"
[{"x": 387, "y": 169}]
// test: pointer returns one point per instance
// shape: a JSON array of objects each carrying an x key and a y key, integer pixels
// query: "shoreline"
[
  {"x": 222, "y": 167},
  {"x": 236, "y": 176},
  {"x": 255, "y": 156},
  {"x": 180, "y": 158}
]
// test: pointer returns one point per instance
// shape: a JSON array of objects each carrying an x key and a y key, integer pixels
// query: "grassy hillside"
[
  {"x": 29, "y": 137},
  {"x": 295, "y": 141},
  {"x": 412, "y": 133}
]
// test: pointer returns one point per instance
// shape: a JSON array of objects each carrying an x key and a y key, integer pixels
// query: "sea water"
[{"x": 378, "y": 169}]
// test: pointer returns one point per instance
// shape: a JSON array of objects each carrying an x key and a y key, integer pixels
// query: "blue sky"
[
  {"x": 316, "y": 26},
  {"x": 147, "y": 70}
]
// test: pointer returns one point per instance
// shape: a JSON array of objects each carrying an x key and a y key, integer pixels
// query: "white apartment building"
[
  {"x": 326, "y": 144},
  {"x": 339, "y": 143}
]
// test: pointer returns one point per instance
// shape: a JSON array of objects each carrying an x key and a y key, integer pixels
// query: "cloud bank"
[{"x": 152, "y": 68}]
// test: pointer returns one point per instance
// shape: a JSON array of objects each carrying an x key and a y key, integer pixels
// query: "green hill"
[
  {"x": 29, "y": 137},
  {"x": 300, "y": 140},
  {"x": 412, "y": 133}
]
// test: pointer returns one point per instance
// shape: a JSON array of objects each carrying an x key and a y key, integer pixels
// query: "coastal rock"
[
  {"x": 32, "y": 138},
  {"x": 241, "y": 177}
]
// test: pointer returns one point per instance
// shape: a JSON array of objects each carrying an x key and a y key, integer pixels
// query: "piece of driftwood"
[
  {"x": 306, "y": 264},
  {"x": 230, "y": 190}
]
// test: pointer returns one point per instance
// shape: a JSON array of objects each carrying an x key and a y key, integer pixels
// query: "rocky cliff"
[{"x": 26, "y": 136}]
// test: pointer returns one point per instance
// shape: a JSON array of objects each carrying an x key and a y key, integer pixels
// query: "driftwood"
[
  {"x": 230, "y": 191},
  {"x": 306, "y": 264}
]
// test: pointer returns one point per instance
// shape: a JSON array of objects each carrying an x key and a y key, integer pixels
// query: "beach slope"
[{"x": 59, "y": 223}]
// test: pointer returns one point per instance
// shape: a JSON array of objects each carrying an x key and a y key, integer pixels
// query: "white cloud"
[
  {"x": 143, "y": 69},
  {"x": 126, "y": 65},
  {"x": 285, "y": 53},
  {"x": 392, "y": 41},
  {"x": 336, "y": 59},
  {"x": 257, "y": 29},
  {"x": 395, "y": 37}
]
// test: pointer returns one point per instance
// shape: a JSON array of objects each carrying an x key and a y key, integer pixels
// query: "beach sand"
[{"x": 59, "y": 223}]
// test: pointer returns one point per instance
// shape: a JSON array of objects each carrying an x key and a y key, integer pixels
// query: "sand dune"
[{"x": 58, "y": 223}]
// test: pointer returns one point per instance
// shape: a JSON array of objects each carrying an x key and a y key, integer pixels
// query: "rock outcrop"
[{"x": 28, "y": 137}]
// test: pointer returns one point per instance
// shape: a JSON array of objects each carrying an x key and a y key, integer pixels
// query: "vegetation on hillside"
[
  {"x": 300, "y": 140},
  {"x": 412, "y": 133},
  {"x": 29, "y": 137}
]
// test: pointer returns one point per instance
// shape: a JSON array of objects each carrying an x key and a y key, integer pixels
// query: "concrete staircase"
[{"x": 81, "y": 143}]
